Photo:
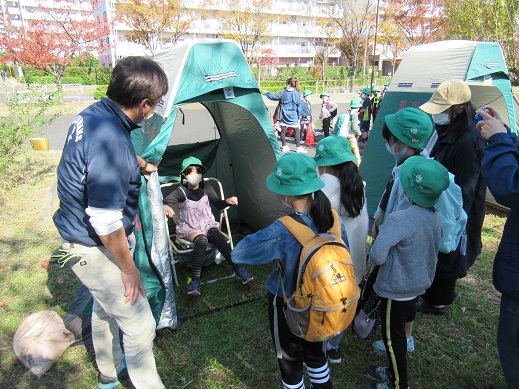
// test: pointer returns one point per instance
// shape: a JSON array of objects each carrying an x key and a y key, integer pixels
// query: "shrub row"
[
  {"x": 336, "y": 77},
  {"x": 81, "y": 75}
]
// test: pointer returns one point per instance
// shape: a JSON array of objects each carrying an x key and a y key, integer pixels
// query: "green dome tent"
[
  {"x": 215, "y": 74},
  {"x": 423, "y": 68}
]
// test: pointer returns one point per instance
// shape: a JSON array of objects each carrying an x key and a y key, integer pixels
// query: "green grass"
[{"x": 229, "y": 347}]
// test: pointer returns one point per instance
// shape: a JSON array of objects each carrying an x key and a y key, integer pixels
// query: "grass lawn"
[{"x": 229, "y": 347}]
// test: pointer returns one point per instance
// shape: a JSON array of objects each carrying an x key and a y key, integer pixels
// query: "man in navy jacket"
[{"x": 501, "y": 172}]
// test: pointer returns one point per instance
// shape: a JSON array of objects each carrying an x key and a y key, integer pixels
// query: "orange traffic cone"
[{"x": 310, "y": 139}]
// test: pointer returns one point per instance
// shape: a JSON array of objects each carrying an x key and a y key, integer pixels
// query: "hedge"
[
  {"x": 74, "y": 75},
  {"x": 100, "y": 92},
  {"x": 335, "y": 76}
]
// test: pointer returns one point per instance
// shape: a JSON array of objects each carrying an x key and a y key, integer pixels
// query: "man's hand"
[{"x": 132, "y": 285}]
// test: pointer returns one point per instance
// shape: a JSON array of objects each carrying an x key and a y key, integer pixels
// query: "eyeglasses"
[{"x": 190, "y": 169}]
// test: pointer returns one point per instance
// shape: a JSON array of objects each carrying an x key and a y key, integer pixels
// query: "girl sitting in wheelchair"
[{"x": 196, "y": 222}]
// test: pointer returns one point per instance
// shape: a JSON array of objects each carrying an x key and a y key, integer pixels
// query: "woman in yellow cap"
[{"x": 459, "y": 148}]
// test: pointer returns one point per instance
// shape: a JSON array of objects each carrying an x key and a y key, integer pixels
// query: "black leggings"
[
  {"x": 283, "y": 132},
  {"x": 295, "y": 351},
  {"x": 326, "y": 126},
  {"x": 215, "y": 237},
  {"x": 394, "y": 315}
]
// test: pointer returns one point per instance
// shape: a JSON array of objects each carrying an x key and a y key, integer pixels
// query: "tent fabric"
[
  {"x": 423, "y": 68},
  {"x": 215, "y": 74}
]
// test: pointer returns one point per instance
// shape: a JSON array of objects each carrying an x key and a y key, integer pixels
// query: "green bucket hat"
[
  {"x": 307, "y": 92},
  {"x": 294, "y": 174},
  {"x": 387, "y": 83},
  {"x": 424, "y": 180},
  {"x": 376, "y": 89},
  {"x": 366, "y": 90},
  {"x": 323, "y": 94},
  {"x": 355, "y": 103},
  {"x": 411, "y": 126},
  {"x": 333, "y": 150},
  {"x": 192, "y": 161}
]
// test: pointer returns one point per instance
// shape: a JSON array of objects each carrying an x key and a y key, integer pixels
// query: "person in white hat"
[{"x": 459, "y": 148}]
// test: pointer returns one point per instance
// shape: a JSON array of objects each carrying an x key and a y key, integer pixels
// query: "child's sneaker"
[
  {"x": 194, "y": 288},
  {"x": 380, "y": 346},
  {"x": 334, "y": 355},
  {"x": 243, "y": 275},
  {"x": 379, "y": 373}
]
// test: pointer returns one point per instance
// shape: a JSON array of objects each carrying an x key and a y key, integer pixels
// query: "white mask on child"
[
  {"x": 194, "y": 179},
  {"x": 399, "y": 155}
]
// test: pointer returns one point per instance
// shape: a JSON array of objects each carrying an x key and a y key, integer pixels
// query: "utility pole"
[{"x": 374, "y": 48}]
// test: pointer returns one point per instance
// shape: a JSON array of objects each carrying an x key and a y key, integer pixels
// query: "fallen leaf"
[
  {"x": 217, "y": 376},
  {"x": 249, "y": 294},
  {"x": 2, "y": 304},
  {"x": 42, "y": 387},
  {"x": 45, "y": 265},
  {"x": 61, "y": 280}
]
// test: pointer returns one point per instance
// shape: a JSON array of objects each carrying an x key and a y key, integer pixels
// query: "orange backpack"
[{"x": 326, "y": 295}]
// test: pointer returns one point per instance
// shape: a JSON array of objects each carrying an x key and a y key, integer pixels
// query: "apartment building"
[{"x": 294, "y": 30}]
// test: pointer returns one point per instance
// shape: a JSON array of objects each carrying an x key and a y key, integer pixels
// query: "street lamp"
[{"x": 374, "y": 48}]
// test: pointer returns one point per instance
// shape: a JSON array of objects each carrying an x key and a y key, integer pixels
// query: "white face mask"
[
  {"x": 441, "y": 119},
  {"x": 399, "y": 155},
  {"x": 194, "y": 179}
]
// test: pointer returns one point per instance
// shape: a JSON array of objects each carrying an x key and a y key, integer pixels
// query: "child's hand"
[
  {"x": 168, "y": 211},
  {"x": 232, "y": 200}
]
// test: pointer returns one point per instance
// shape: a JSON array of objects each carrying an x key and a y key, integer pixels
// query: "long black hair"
[
  {"x": 321, "y": 211},
  {"x": 352, "y": 188},
  {"x": 460, "y": 122}
]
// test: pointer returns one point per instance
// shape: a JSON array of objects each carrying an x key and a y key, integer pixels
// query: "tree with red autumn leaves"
[
  {"x": 50, "y": 44},
  {"x": 420, "y": 21}
]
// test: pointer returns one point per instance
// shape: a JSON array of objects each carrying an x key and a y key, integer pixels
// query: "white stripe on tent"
[{"x": 218, "y": 77}]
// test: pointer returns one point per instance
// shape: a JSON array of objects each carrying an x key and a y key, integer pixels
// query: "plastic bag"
[{"x": 40, "y": 340}]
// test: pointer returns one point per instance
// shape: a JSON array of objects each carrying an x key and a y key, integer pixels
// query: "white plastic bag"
[{"x": 40, "y": 340}]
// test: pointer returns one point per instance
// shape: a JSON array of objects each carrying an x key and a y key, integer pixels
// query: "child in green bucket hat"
[
  {"x": 406, "y": 249},
  {"x": 295, "y": 182},
  {"x": 343, "y": 185},
  {"x": 196, "y": 222},
  {"x": 406, "y": 133}
]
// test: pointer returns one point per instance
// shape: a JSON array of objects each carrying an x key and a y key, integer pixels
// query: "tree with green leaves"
[
  {"x": 393, "y": 40},
  {"x": 487, "y": 21},
  {"x": 153, "y": 23}
]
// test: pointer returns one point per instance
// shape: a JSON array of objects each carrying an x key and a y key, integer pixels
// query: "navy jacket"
[{"x": 501, "y": 172}]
